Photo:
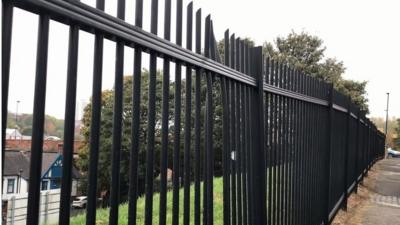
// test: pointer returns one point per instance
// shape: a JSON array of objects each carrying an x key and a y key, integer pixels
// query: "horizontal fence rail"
[{"x": 248, "y": 140}]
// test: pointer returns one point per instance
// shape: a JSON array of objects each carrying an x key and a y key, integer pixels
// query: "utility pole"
[
  {"x": 386, "y": 123},
  {"x": 16, "y": 121}
]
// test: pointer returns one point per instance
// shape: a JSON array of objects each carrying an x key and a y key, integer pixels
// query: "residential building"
[{"x": 16, "y": 172}]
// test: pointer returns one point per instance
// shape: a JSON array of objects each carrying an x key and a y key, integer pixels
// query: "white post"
[
  {"x": 46, "y": 206},
  {"x": 12, "y": 210}
]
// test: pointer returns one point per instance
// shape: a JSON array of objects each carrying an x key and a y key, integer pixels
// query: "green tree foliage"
[
  {"x": 396, "y": 140},
  {"x": 391, "y": 131},
  {"x": 305, "y": 52},
  {"x": 105, "y": 149},
  {"x": 52, "y": 125},
  {"x": 221, "y": 46},
  {"x": 106, "y": 127}
]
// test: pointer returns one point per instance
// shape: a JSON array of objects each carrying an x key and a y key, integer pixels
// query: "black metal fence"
[{"x": 293, "y": 147}]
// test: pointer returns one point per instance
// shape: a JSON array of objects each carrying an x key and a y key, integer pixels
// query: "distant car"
[
  {"x": 79, "y": 202},
  {"x": 393, "y": 153},
  {"x": 52, "y": 138}
]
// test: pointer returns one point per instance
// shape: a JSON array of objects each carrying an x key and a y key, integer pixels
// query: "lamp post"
[
  {"x": 16, "y": 121},
  {"x": 387, "y": 116}
]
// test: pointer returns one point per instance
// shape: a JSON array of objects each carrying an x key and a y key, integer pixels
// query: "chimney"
[{"x": 60, "y": 147}]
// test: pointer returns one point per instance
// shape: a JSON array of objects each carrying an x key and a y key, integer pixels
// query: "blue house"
[{"x": 16, "y": 172}]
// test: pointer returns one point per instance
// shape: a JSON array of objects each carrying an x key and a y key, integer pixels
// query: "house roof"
[
  {"x": 12, "y": 131},
  {"x": 16, "y": 161}
]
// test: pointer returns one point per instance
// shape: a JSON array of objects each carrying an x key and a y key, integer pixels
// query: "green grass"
[{"x": 102, "y": 214}]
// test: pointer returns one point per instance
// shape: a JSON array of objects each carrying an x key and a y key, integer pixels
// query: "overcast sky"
[{"x": 365, "y": 35}]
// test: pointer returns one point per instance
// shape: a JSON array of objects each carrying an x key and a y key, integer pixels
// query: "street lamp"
[
  {"x": 387, "y": 115},
  {"x": 16, "y": 121}
]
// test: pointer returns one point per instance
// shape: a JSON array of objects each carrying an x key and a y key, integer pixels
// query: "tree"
[
  {"x": 106, "y": 126},
  {"x": 221, "y": 46},
  {"x": 380, "y": 123},
  {"x": 305, "y": 53},
  {"x": 104, "y": 166},
  {"x": 396, "y": 140},
  {"x": 53, "y": 126}
]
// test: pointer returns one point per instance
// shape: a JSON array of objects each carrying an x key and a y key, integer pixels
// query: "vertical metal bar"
[
  {"x": 177, "y": 120},
  {"x": 234, "y": 152},
  {"x": 292, "y": 151},
  {"x": 165, "y": 119},
  {"x": 244, "y": 156},
  {"x": 313, "y": 159},
  {"x": 308, "y": 156},
  {"x": 357, "y": 146},
  {"x": 249, "y": 145},
  {"x": 226, "y": 135},
  {"x": 197, "y": 126},
  {"x": 307, "y": 152},
  {"x": 233, "y": 61},
  {"x": 291, "y": 148},
  {"x": 258, "y": 186},
  {"x": 151, "y": 121},
  {"x": 282, "y": 146},
  {"x": 232, "y": 51},
  {"x": 242, "y": 56},
  {"x": 69, "y": 126},
  {"x": 209, "y": 207},
  {"x": 117, "y": 123},
  {"x": 304, "y": 152},
  {"x": 38, "y": 122},
  {"x": 133, "y": 167},
  {"x": 301, "y": 152},
  {"x": 272, "y": 108},
  {"x": 227, "y": 48},
  {"x": 266, "y": 144},
  {"x": 270, "y": 161},
  {"x": 285, "y": 149},
  {"x": 95, "y": 124},
  {"x": 295, "y": 148},
  {"x": 237, "y": 54},
  {"x": 279, "y": 146},
  {"x": 346, "y": 158},
  {"x": 188, "y": 110},
  {"x": 233, "y": 134},
  {"x": 276, "y": 175},
  {"x": 237, "y": 138},
  {"x": 317, "y": 159},
  {"x": 328, "y": 157},
  {"x": 209, "y": 146},
  {"x": 6, "y": 36},
  {"x": 226, "y": 151}
]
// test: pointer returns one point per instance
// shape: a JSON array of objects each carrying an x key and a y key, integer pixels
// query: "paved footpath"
[
  {"x": 383, "y": 206},
  {"x": 378, "y": 199}
]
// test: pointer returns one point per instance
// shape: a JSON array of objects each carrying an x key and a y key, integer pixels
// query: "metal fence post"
[
  {"x": 328, "y": 156},
  {"x": 346, "y": 159},
  {"x": 258, "y": 186},
  {"x": 357, "y": 151}
]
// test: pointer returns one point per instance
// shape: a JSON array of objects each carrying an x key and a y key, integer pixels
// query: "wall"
[
  {"x": 48, "y": 145},
  {"x": 17, "y": 207}
]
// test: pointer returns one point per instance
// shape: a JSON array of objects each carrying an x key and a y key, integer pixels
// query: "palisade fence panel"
[{"x": 249, "y": 140}]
